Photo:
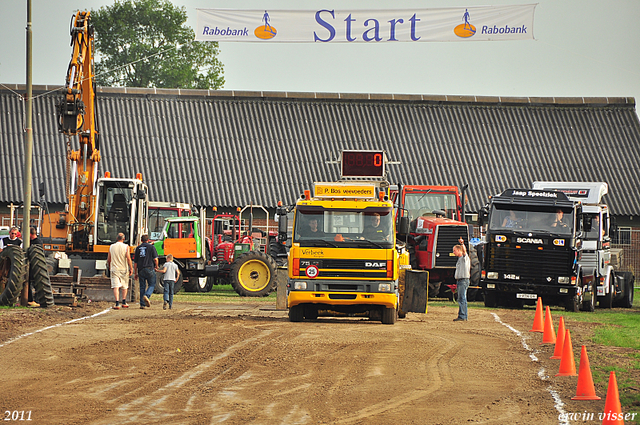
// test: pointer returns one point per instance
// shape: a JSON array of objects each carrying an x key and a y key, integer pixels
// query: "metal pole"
[{"x": 26, "y": 215}]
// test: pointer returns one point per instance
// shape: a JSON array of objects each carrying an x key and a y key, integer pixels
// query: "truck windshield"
[
  {"x": 157, "y": 219},
  {"x": 424, "y": 204},
  {"x": 335, "y": 227},
  {"x": 592, "y": 228},
  {"x": 114, "y": 212},
  {"x": 531, "y": 219}
]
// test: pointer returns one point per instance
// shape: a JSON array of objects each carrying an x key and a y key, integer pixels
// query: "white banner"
[{"x": 483, "y": 23}]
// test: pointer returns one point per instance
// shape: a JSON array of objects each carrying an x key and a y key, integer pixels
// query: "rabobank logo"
[
  {"x": 266, "y": 31},
  {"x": 465, "y": 30}
]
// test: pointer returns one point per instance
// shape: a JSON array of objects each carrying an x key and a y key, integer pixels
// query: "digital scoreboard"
[{"x": 363, "y": 164}]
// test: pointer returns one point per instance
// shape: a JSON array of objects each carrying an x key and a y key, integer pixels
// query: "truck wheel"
[
  {"x": 572, "y": 304},
  {"x": 196, "y": 284},
  {"x": 490, "y": 299},
  {"x": 389, "y": 315},
  {"x": 253, "y": 274},
  {"x": 12, "y": 274},
  {"x": 627, "y": 301},
  {"x": 159, "y": 288},
  {"x": 310, "y": 312},
  {"x": 589, "y": 305},
  {"x": 607, "y": 300},
  {"x": 39, "y": 276},
  {"x": 178, "y": 286},
  {"x": 474, "y": 294},
  {"x": 296, "y": 313},
  {"x": 210, "y": 281}
]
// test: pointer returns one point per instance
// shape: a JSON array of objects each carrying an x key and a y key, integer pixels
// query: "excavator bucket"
[{"x": 414, "y": 292}]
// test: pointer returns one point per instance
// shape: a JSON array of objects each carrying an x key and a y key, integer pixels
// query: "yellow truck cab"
[{"x": 344, "y": 257}]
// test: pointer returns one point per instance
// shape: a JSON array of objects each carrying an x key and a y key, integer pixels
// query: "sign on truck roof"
[
  {"x": 586, "y": 192},
  {"x": 344, "y": 190}
]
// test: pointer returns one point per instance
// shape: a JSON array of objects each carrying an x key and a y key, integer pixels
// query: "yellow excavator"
[{"x": 98, "y": 207}]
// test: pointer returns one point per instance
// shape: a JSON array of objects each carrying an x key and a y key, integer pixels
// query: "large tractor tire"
[
  {"x": 253, "y": 274},
  {"x": 39, "y": 276},
  {"x": 12, "y": 274}
]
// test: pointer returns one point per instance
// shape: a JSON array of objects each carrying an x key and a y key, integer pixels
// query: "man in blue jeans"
[
  {"x": 146, "y": 259},
  {"x": 462, "y": 276}
]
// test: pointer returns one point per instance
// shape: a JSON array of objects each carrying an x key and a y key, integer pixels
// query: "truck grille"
[
  {"x": 531, "y": 263},
  {"x": 345, "y": 268},
  {"x": 448, "y": 237}
]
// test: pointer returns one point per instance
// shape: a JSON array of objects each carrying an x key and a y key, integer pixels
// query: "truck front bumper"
[
  {"x": 529, "y": 290},
  {"x": 389, "y": 300}
]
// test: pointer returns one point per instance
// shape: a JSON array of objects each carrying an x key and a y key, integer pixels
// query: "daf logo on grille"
[{"x": 371, "y": 264}]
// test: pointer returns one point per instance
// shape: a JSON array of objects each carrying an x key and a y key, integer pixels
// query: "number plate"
[{"x": 527, "y": 296}]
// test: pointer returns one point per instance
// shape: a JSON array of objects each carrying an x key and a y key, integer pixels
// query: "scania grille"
[
  {"x": 530, "y": 262},
  {"x": 448, "y": 237}
]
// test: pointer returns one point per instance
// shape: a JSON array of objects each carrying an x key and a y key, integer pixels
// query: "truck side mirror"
[
  {"x": 142, "y": 194},
  {"x": 282, "y": 227},
  {"x": 403, "y": 226}
]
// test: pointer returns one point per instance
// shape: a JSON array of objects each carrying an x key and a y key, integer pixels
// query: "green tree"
[{"x": 146, "y": 43}]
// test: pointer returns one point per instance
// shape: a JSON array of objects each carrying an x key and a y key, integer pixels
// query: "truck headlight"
[
  {"x": 300, "y": 286},
  {"x": 492, "y": 275},
  {"x": 491, "y": 286},
  {"x": 384, "y": 287},
  {"x": 564, "y": 279}
]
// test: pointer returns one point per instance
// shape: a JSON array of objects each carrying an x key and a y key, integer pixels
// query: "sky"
[{"x": 582, "y": 48}]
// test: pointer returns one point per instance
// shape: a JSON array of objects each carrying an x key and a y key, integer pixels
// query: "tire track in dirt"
[{"x": 148, "y": 407}]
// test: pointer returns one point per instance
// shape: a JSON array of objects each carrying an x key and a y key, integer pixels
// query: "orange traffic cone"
[
  {"x": 549, "y": 336},
  {"x": 538, "y": 321},
  {"x": 585, "y": 390},
  {"x": 557, "y": 353},
  {"x": 567, "y": 364},
  {"x": 612, "y": 407}
]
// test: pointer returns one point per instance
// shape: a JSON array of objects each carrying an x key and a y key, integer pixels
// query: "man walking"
[
  {"x": 462, "y": 276},
  {"x": 119, "y": 263},
  {"x": 146, "y": 259}
]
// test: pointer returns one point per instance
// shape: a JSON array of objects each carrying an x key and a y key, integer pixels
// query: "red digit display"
[{"x": 362, "y": 164}]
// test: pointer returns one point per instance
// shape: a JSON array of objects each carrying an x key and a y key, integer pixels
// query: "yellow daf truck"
[{"x": 344, "y": 256}]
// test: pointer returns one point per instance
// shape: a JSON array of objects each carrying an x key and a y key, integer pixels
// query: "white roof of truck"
[{"x": 586, "y": 192}]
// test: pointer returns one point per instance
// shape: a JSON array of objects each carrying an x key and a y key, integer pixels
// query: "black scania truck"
[{"x": 532, "y": 249}]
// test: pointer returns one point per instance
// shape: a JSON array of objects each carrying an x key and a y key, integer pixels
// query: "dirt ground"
[{"x": 247, "y": 364}]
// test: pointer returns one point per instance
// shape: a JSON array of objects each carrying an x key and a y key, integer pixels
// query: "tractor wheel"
[
  {"x": 39, "y": 276},
  {"x": 296, "y": 313},
  {"x": 389, "y": 315},
  {"x": 12, "y": 274},
  {"x": 253, "y": 274}
]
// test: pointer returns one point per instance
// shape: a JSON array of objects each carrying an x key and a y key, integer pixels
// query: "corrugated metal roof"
[{"x": 229, "y": 148}]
